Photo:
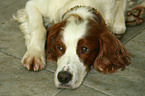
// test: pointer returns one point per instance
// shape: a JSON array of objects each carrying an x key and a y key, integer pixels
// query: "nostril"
[{"x": 64, "y": 77}]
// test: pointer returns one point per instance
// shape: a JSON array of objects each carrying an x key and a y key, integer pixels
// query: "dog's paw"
[
  {"x": 33, "y": 62},
  {"x": 135, "y": 16},
  {"x": 119, "y": 28}
]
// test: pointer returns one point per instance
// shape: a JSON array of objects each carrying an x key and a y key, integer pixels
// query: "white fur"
[
  {"x": 70, "y": 61},
  {"x": 53, "y": 10}
]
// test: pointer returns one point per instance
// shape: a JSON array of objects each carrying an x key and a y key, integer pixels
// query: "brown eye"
[
  {"x": 59, "y": 47},
  {"x": 84, "y": 50}
]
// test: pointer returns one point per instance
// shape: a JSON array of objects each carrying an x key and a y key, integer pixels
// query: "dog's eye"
[
  {"x": 59, "y": 47},
  {"x": 84, "y": 50}
]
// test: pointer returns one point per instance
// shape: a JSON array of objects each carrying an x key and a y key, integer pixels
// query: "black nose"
[{"x": 64, "y": 77}]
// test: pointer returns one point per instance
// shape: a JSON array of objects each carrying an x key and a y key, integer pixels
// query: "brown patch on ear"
[
  {"x": 53, "y": 32},
  {"x": 112, "y": 54}
]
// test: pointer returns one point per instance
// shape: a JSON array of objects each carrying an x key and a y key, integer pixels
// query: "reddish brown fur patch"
[
  {"x": 58, "y": 52},
  {"x": 52, "y": 40},
  {"x": 91, "y": 41},
  {"x": 105, "y": 50},
  {"x": 112, "y": 54},
  {"x": 93, "y": 48}
]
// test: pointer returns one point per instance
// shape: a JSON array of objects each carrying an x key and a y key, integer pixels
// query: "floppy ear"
[
  {"x": 52, "y": 33},
  {"x": 112, "y": 54}
]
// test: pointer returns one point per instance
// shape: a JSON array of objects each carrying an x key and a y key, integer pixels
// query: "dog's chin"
[
  {"x": 67, "y": 86},
  {"x": 64, "y": 86}
]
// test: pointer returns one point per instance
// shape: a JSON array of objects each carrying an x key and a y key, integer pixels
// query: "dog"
[{"x": 80, "y": 35}]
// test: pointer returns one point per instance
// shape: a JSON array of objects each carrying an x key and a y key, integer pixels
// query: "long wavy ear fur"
[{"x": 112, "y": 54}]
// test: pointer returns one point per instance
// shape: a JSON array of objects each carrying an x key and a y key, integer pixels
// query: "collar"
[{"x": 90, "y": 9}]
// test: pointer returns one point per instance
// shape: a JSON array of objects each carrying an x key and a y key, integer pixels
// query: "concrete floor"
[{"x": 15, "y": 80}]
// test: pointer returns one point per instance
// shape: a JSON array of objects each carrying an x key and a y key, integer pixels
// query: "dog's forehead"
[{"x": 73, "y": 32}]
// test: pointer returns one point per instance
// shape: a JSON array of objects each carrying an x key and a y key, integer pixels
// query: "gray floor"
[{"x": 15, "y": 80}]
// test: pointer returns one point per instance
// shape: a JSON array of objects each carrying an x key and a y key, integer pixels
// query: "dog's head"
[{"x": 76, "y": 43}]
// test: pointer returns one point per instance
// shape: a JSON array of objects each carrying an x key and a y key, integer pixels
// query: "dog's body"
[{"x": 73, "y": 18}]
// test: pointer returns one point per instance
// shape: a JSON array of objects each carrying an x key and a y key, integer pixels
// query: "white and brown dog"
[{"x": 79, "y": 37}]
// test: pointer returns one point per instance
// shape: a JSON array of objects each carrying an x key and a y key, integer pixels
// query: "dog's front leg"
[
  {"x": 119, "y": 26},
  {"x": 34, "y": 58}
]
